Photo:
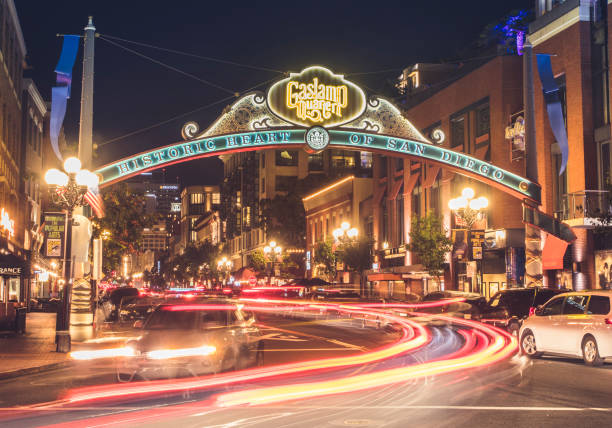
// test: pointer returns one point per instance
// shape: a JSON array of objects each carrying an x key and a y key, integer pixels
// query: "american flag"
[{"x": 94, "y": 199}]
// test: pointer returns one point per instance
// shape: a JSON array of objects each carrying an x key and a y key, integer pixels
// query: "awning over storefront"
[
  {"x": 384, "y": 277},
  {"x": 13, "y": 265},
  {"x": 552, "y": 254}
]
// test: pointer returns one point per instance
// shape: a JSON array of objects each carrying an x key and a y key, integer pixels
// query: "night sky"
[{"x": 132, "y": 93}]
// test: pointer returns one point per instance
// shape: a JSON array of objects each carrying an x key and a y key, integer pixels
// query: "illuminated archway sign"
[{"x": 315, "y": 109}]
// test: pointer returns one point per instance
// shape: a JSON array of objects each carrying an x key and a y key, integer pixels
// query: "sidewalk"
[{"x": 33, "y": 351}]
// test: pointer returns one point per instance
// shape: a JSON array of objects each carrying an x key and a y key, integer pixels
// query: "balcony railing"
[{"x": 587, "y": 204}]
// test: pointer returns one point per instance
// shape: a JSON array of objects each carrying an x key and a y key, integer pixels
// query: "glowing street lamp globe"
[
  {"x": 352, "y": 232},
  {"x": 56, "y": 177},
  {"x": 467, "y": 193},
  {"x": 72, "y": 165},
  {"x": 345, "y": 225}
]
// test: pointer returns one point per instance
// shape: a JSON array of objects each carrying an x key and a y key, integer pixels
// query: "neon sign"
[
  {"x": 315, "y": 101},
  {"x": 316, "y": 96},
  {"x": 6, "y": 223},
  {"x": 214, "y": 146}
]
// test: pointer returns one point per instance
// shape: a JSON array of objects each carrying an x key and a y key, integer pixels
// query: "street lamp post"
[
  {"x": 225, "y": 266},
  {"x": 469, "y": 209},
  {"x": 67, "y": 190},
  {"x": 272, "y": 251}
]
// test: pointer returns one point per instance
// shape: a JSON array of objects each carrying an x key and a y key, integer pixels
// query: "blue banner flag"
[
  {"x": 61, "y": 93},
  {"x": 69, "y": 52},
  {"x": 553, "y": 106}
]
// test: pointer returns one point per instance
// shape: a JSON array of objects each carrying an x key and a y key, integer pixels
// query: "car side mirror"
[
  {"x": 138, "y": 324},
  {"x": 539, "y": 310}
]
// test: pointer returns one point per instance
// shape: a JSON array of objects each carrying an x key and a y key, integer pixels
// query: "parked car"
[
  {"x": 577, "y": 324},
  {"x": 112, "y": 301},
  {"x": 508, "y": 308},
  {"x": 192, "y": 339},
  {"x": 470, "y": 307}
]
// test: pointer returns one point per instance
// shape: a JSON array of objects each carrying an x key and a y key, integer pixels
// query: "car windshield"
[{"x": 168, "y": 319}]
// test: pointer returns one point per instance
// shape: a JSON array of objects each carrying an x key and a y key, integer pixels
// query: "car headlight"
[{"x": 200, "y": 351}]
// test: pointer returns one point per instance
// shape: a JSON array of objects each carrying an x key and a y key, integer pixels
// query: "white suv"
[{"x": 577, "y": 324}]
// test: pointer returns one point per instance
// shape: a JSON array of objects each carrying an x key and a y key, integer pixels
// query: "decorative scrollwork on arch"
[{"x": 190, "y": 130}]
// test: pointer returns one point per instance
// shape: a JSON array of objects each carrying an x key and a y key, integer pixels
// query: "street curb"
[{"x": 33, "y": 370}]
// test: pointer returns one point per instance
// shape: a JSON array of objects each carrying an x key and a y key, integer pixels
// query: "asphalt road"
[{"x": 545, "y": 392}]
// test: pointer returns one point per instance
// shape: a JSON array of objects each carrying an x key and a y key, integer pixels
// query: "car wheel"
[
  {"x": 590, "y": 352},
  {"x": 528, "y": 345}
]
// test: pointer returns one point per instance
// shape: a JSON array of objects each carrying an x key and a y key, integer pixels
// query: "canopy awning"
[
  {"x": 384, "y": 277},
  {"x": 552, "y": 254}
]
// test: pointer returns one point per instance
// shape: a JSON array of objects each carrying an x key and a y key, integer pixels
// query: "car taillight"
[
  {"x": 532, "y": 311},
  {"x": 608, "y": 321}
]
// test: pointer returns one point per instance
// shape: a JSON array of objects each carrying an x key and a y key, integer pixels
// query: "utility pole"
[
  {"x": 82, "y": 318},
  {"x": 533, "y": 238},
  {"x": 86, "y": 124}
]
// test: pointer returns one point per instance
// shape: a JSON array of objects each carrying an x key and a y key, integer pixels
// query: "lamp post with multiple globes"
[
  {"x": 470, "y": 210},
  {"x": 225, "y": 266},
  {"x": 272, "y": 251},
  {"x": 67, "y": 190}
]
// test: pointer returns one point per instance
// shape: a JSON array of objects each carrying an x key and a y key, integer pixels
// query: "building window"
[
  {"x": 416, "y": 199},
  {"x": 216, "y": 198},
  {"x": 482, "y": 120},
  {"x": 196, "y": 198},
  {"x": 315, "y": 162},
  {"x": 605, "y": 161},
  {"x": 457, "y": 126},
  {"x": 399, "y": 164},
  {"x": 599, "y": 67},
  {"x": 366, "y": 160},
  {"x": 382, "y": 169},
  {"x": 400, "y": 216},
  {"x": 285, "y": 183},
  {"x": 342, "y": 159},
  {"x": 287, "y": 157},
  {"x": 559, "y": 183},
  {"x": 384, "y": 218}
]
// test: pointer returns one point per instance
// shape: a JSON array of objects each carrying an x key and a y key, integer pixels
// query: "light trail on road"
[{"x": 480, "y": 345}]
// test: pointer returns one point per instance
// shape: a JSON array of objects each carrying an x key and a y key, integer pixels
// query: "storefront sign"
[
  {"x": 316, "y": 96},
  {"x": 6, "y": 223},
  {"x": 54, "y": 229},
  {"x": 10, "y": 271}
]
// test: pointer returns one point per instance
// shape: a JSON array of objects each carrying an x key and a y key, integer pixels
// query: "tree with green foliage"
[
  {"x": 122, "y": 224},
  {"x": 356, "y": 254},
  {"x": 284, "y": 219},
  {"x": 257, "y": 261},
  {"x": 325, "y": 256},
  {"x": 197, "y": 262},
  {"x": 428, "y": 241}
]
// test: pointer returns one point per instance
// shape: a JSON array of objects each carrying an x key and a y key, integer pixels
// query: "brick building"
[
  {"x": 577, "y": 33},
  {"x": 471, "y": 110}
]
